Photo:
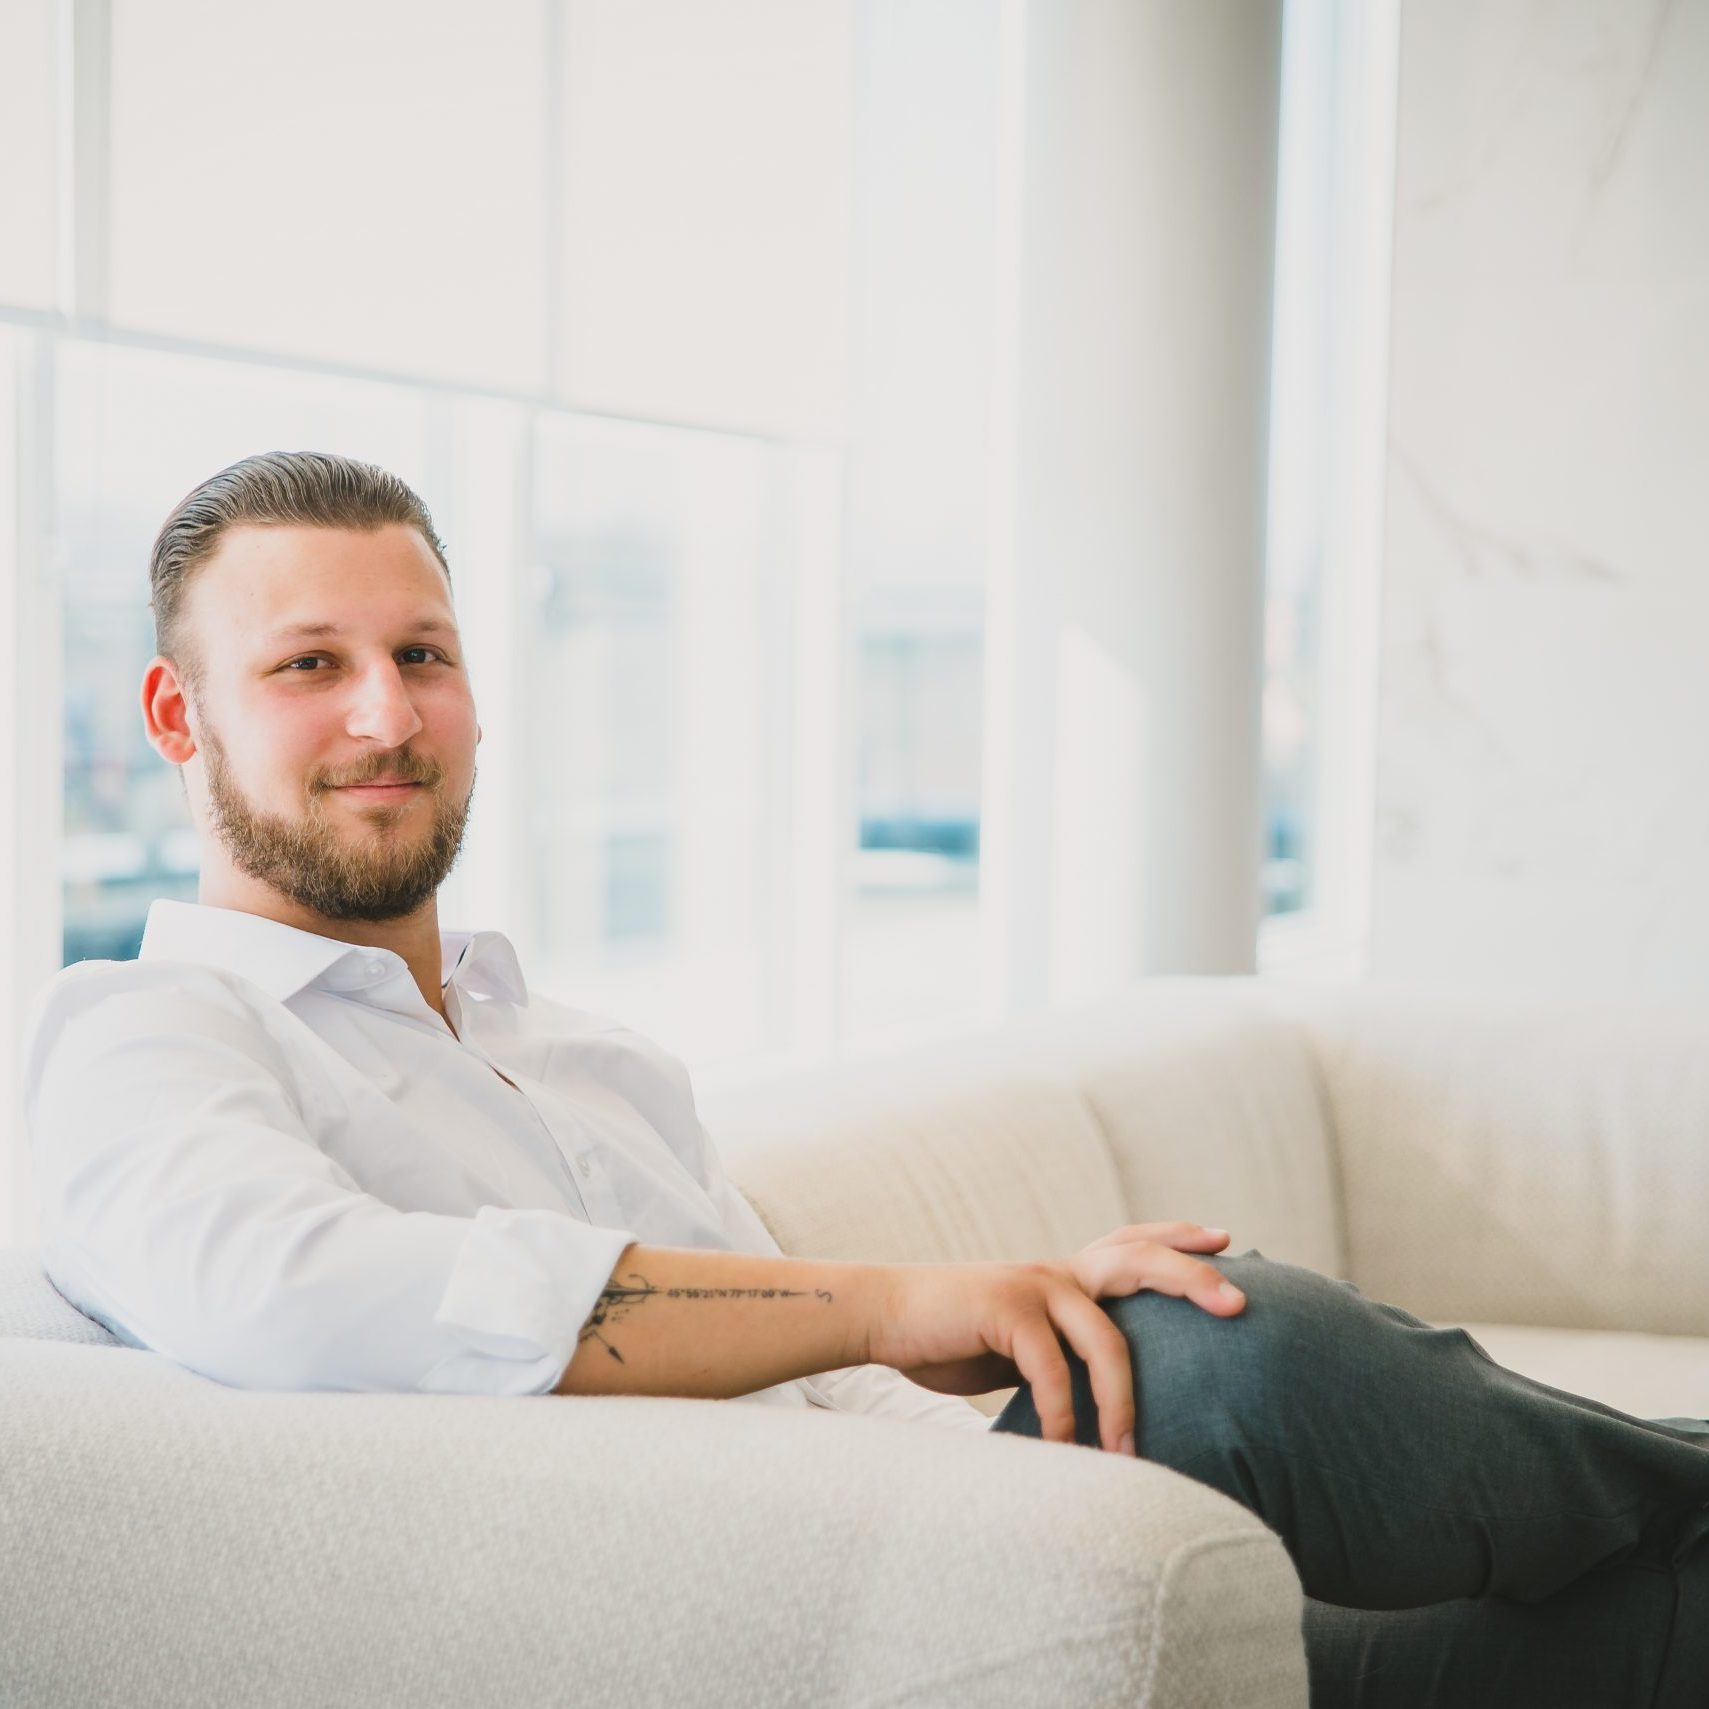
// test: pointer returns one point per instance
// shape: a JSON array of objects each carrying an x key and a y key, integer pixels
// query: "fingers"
[
  {"x": 1184, "y": 1236},
  {"x": 1171, "y": 1272},
  {"x": 1103, "y": 1348},
  {"x": 1039, "y": 1359},
  {"x": 1203, "y": 1240},
  {"x": 1158, "y": 1257},
  {"x": 1116, "y": 1271}
]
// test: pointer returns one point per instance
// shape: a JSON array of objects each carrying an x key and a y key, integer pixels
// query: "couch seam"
[
  {"x": 1167, "y": 1574},
  {"x": 1311, "y": 1049},
  {"x": 984, "y": 1664},
  {"x": 1172, "y": 1563},
  {"x": 1090, "y": 1104}
]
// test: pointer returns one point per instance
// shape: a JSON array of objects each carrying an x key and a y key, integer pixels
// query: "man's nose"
[{"x": 381, "y": 709}]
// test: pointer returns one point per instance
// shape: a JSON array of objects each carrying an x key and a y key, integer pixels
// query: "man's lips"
[{"x": 389, "y": 787}]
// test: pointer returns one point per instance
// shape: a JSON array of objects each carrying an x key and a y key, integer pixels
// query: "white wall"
[{"x": 1542, "y": 810}]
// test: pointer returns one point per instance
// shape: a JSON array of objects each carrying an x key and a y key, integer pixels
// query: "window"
[
  {"x": 913, "y": 950},
  {"x": 714, "y": 430},
  {"x": 656, "y": 679}
]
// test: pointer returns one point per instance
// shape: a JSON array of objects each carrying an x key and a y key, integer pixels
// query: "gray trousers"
[{"x": 1464, "y": 1536}]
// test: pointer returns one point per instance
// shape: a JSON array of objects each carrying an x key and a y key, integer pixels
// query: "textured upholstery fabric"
[
  {"x": 1212, "y": 1110},
  {"x": 1184, "y": 1099},
  {"x": 31, "y": 1307},
  {"x": 1515, "y": 1159},
  {"x": 168, "y": 1541},
  {"x": 948, "y": 1159}
]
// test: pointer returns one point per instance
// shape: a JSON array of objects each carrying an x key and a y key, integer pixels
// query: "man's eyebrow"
[{"x": 316, "y": 631}]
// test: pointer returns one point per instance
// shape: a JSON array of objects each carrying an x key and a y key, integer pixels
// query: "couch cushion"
[
  {"x": 914, "y": 1159},
  {"x": 32, "y": 1307},
  {"x": 1181, "y": 1099},
  {"x": 1649, "y": 1376},
  {"x": 1212, "y": 1108},
  {"x": 1520, "y": 1158}
]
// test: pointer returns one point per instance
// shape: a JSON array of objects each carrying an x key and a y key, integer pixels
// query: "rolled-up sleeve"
[{"x": 186, "y": 1204}]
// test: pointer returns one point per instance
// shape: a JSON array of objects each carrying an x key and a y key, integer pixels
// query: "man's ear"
[{"x": 166, "y": 712}]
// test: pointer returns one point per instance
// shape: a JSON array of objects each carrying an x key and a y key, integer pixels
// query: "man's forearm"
[{"x": 679, "y": 1320}]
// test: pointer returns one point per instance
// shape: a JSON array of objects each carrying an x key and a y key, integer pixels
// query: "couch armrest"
[{"x": 166, "y": 1539}]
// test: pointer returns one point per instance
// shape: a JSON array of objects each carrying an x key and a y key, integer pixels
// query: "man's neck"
[{"x": 415, "y": 936}]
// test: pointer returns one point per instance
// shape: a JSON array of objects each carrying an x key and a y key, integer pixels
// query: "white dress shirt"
[{"x": 261, "y": 1153}]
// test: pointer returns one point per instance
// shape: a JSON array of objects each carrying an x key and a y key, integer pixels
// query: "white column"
[{"x": 1122, "y": 805}]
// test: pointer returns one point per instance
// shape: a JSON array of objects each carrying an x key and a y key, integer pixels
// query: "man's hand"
[{"x": 970, "y": 1328}]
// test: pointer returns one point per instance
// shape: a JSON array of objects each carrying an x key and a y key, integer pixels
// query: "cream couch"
[{"x": 1535, "y": 1169}]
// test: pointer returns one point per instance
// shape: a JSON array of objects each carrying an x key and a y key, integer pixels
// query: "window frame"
[{"x": 1358, "y": 50}]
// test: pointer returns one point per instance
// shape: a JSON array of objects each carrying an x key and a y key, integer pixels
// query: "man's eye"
[{"x": 320, "y": 658}]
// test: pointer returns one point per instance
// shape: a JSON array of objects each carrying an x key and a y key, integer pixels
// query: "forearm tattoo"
[{"x": 617, "y": 1299}]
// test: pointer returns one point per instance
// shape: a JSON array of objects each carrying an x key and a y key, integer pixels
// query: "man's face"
[{"x": 329, "y": 660}]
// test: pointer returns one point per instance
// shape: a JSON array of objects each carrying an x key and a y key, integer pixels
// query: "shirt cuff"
[{"x": 524, "y": 1283}]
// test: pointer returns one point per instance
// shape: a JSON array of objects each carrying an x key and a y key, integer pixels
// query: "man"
[{"x": 310, "y": 1140}]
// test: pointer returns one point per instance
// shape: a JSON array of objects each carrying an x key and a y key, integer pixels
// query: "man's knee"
[
  {"x": 1282, "y": 1300},
  {"x": 1242, "y": 1367}
]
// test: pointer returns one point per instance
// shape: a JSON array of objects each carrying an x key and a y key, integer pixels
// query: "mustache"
[{"x": 390, "y": 771}]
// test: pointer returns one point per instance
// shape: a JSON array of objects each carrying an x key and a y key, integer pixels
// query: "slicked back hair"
[{"x": 277, "y": 488}]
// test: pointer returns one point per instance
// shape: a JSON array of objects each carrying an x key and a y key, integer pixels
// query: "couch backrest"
[
  {"x": 1183, "y": 1098},
  {"x": 1469, "y": 1157},
  {"x": 1518, "y": 1158}
]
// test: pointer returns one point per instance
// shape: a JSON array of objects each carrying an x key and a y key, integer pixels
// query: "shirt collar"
[
  {"x": 284, "y": 960},
  {"x": 484, "y": 963}
]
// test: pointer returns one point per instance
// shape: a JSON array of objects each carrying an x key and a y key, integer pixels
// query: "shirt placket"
[
  {"x": 575, "y": 1145},
  {"x": 581, "y": 1170},
  {"x": 575, "y": 1171}
]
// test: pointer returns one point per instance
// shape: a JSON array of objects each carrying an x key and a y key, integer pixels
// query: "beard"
[{"x": 338, "y": 874}]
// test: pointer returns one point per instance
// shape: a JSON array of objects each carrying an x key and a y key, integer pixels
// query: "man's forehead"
[
  {"x": 303, "y": 581},
  {"x": 307, "y": 545},
  {"x": 320, "y": 629}
]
